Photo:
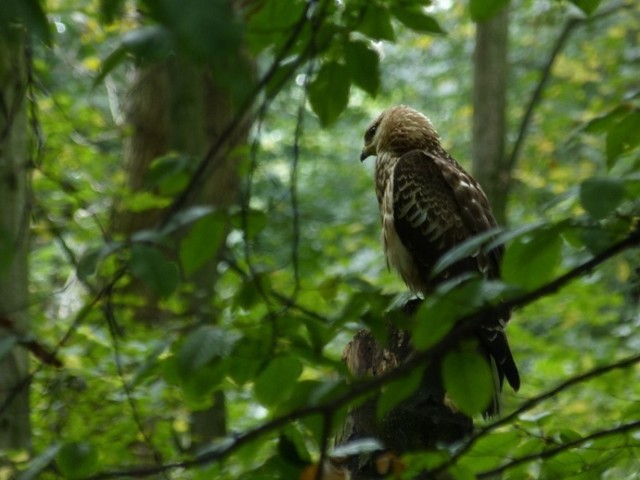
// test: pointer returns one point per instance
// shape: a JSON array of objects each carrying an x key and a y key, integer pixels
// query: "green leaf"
[
  {"x": 364, "y": 66},
  {"x": 291, "y": 448},
  {"x": 532, "y": 260},
  {"x": 202, "y": 242},
  {"x": 269, "y": 24},
  {"x": 110, "y": 9},
  {"x": 185, "y": 217},
  {"x": 203, "y": 345},
  {"x": 207, "y": 31},
  {"x": 77, "y": 459},
  {"x": 601, "y": 196},
  {"x": 251, "y": 222},
  {"x": 38, "y": 464},
  {"x": 329, "y": 92},
  {"x": 88, "y": 264},
  {"x": 464, "y": 250},
  {"x": 397, "y": 391},
  {"x": 587, "y": 6},
  {"x": 468, "y": 380},
  {"x": 376, "y": 22},
  {"x": 277, "y": 380},
  {"x": 149, "y": 265},
  {"x": 623, "y": 137},
  {"x": 604, "y": 122},
  {"x": 440, "y": 311},
  {"x": 417, "y": 20},
  {"x": 482, "y": 10},
  {"x": 28, "y": 12},
  {"x": 170, "y": 173}
]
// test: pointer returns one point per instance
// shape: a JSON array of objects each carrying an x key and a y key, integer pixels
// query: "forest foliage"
[{"x": 303, "y": 269}]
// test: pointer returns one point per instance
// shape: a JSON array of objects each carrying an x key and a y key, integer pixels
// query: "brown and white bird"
[{"x": 428, "y": 205}]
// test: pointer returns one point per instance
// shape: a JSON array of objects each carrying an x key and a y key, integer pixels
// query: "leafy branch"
[
  {"x": 551, "y": 452},
  {"x": 363, "y": 388},
  {"x": 533, "y": 402},
  {"x": 545, "y": 74}
]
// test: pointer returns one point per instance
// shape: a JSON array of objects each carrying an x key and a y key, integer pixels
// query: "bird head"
[{"x": 399, "y": 130}]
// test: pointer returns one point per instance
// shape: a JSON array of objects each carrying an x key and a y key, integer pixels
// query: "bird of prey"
[{"x": 429, "y": 204}]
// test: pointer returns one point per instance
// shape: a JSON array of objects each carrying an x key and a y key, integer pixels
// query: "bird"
[{"x": 428, "y": 205}]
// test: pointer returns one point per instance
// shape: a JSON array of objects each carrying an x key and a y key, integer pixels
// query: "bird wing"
[{"x": 436, "y": 206}]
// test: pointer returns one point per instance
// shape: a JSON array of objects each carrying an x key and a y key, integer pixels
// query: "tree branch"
[
  {"x": 531, "y": 403},
  {"x": 569, "y": 27},
  {"x": 552, "y": 452},
  {"x": 363, "y": 388}
]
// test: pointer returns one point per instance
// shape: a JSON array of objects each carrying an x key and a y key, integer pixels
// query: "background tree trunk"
[
  {"x": 489, "y": 111},
  {"x": 177, "y": 106},
  {"x": 15, "y": 430}
]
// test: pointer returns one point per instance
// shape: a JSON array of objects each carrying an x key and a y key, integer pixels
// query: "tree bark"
[
  {"x": 489, "y": 111},
  {"x": 177, "y": 106},
  {"x": 421, "y": 422},
  {"x": 15, "y": 429}
]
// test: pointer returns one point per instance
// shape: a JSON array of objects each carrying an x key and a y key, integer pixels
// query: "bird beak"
[{"x": 366, "y": 152}]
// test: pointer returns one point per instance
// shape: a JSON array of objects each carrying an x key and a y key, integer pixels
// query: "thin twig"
[
  {"x": 569, "y": 27},
  {"x": 114, "y": 333},
  {"x": 531, "y": 403},
  {"x": 552, "y": 452}
]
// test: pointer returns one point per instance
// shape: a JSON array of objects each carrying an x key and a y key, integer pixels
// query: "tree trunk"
[
  {"x": 177, "y": 106},
  {"x": 423, "y": 421},
  {"x": 489, "y": 111},
  {"x": 15, "y": 430}
]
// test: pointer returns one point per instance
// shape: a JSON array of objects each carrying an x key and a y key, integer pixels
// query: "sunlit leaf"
[
  {"x": 467, "y": 380},
  {"x": 329, "y": 92},
  {"x": 150, "y": 265},
  {"x": 277, "y": 380},
  {"x": 601, "y": 196}
]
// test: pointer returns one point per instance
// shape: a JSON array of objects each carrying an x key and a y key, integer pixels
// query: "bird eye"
[{"x": 370, "y": 133}]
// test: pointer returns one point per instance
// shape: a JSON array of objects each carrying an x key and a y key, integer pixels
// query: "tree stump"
[{"x": 421, "y": 422}]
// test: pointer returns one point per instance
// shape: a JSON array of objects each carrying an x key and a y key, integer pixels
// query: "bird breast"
[{"x": 396, "y": 254}]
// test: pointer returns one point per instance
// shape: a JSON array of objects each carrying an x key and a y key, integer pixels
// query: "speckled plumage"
[{"x": 429, "y": 204}]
